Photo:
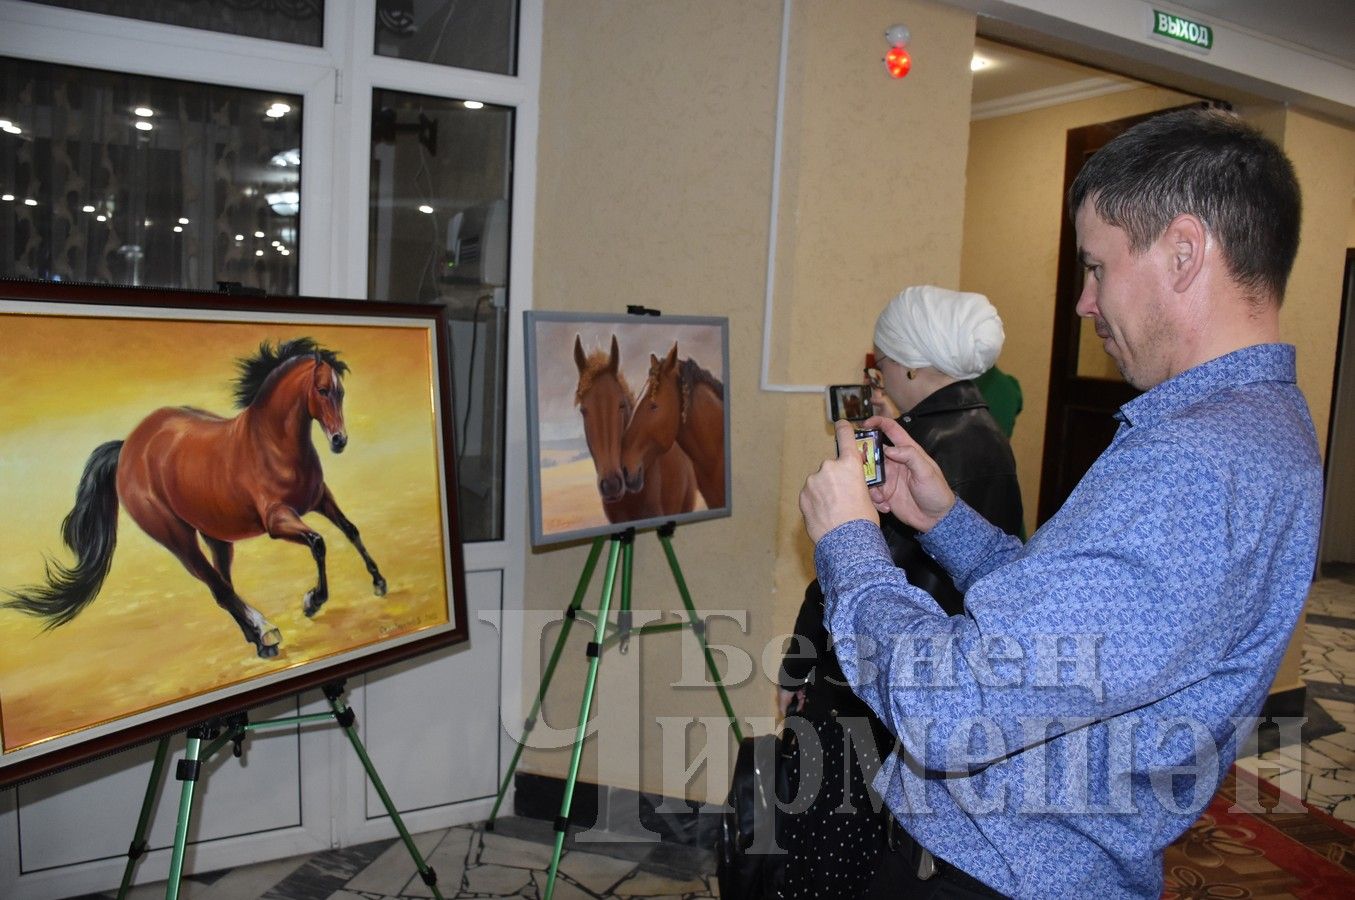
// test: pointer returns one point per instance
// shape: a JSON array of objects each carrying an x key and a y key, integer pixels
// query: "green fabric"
[{"x": 1002, "y": 393}]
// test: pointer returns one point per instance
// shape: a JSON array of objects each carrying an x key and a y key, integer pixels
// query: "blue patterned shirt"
[{"x": 1081, "y": 713}]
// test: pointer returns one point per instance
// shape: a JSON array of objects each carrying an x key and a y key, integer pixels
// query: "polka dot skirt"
[{"x": 833, "y": 848}]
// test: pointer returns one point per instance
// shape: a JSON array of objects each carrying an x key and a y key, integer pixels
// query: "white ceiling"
[{"x": 1014, "y": 73}]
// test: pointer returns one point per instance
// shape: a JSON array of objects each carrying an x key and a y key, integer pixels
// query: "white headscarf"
[{"x": 956, "y": 332}]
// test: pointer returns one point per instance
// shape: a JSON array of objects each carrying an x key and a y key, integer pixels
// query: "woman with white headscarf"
[
  {"x": 928, "y": 338},
  {"x": 930, "y": 345}
]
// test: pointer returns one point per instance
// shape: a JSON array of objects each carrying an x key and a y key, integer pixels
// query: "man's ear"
[{"x": 1185, "y": 239}]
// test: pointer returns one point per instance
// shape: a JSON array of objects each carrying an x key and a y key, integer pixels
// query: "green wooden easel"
[
  {"x": 233, "y": 730},
  {"x": 606, "y": 634}
]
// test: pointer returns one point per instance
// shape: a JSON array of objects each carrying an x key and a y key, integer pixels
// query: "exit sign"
[{"x": 1176, "y": 28}]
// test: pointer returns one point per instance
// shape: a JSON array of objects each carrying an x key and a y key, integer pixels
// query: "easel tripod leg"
[
  {"x": 623, "y": 616},
  {"x": 579, "y": 592},
  {"x": 699, "y": 627},
  {"x": 138, "y": 845},
  {"x": 594, "y": 657},
  {"x": 344, "y": 716},
  {"x": 189, "y": 769}
]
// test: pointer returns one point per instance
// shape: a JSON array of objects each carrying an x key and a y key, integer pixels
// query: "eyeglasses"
[{"x": 875, "y": 379}]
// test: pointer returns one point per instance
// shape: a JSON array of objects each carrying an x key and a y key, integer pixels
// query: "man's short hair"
[{"x": 1207, "y": 163}]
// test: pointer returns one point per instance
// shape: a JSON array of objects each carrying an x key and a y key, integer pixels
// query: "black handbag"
[{"x": 750, "y": 853}]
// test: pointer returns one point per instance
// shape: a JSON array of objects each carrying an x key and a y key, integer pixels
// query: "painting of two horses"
[
  {"x": 190, "y": 503},
  {"x": 628, "y": 422}
]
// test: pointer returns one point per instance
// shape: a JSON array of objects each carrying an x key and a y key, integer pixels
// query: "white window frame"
[{"x": 336, "y": 82}]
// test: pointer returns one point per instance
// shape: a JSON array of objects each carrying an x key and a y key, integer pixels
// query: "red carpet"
[{"x": 1240, "y": 851}]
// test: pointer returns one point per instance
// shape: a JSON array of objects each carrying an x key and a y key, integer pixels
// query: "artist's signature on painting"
[{"x": 386, "y": 629}]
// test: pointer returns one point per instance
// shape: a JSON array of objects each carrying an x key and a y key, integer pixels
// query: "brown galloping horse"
[
  {"x": 184, "y": 472},
  {"x": 606, "y": 403},
  {"x": 681, "y": 403}
]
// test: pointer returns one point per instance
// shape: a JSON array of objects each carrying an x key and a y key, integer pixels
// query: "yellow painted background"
[{"x": 154, "y": 635}]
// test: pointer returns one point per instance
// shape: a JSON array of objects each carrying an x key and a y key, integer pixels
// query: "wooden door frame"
[
  {"x": 1347, "y": 298},
  {"x": 1066, "y": 391}
]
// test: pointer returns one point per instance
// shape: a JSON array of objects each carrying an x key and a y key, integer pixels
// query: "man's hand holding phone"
[
  {"x": 914, "y": 490},
  {"x": 836, "y": 493}
]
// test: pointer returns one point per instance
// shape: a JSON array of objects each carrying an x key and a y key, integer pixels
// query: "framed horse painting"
[
  {"x": 211, "y": 501},
  {"x": 628, "y": 422}
]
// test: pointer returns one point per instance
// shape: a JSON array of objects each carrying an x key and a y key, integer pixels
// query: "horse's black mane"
[
  {"x": 254, "y": 370},
  {"x": 691, "y": 373}
]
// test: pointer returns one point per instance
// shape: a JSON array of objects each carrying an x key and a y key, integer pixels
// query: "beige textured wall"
[
  {"x": 871, "y": 203},
  {"x": 1338, "y": 537},
  {"x": 1011, "y": 243},
  {"x": 1324, "y": 158},
  {"x": 654, "y": 185}
]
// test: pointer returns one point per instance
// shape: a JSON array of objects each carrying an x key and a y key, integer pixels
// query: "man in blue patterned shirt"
[{"x": 1079, "y": 715}]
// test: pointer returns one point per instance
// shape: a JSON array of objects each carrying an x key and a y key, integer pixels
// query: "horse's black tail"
[{"x": 91, "y": 532}]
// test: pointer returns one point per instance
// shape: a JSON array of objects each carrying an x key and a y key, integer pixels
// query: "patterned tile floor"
[
  {"x": 512, "y": 861},
  {"x": 1324, "y": 766}
]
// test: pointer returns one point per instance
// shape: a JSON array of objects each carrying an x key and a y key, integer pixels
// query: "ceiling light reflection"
[
  {"x": 287, "y": 159},
  {"x": 284, "y": 203}
]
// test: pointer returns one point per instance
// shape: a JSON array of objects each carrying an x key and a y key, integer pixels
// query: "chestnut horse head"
[
  {"x": 297, "y": 375},
  {"x": 654, "y": 426},
  {"x": 324, "y": 403},
  {"x": 605, "y": 402},
  {"x": 681, "y": 403}
]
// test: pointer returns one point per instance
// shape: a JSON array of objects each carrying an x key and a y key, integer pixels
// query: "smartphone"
[
  {"x": 870, "y": 443},
  {"x": 848, "y": 401}
]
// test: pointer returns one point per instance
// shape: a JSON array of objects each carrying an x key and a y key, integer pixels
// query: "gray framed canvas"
[{"x": 628, "y": 422}]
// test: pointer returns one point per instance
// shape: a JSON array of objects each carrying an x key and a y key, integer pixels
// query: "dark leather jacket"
[{"x": 954, "y": 427}]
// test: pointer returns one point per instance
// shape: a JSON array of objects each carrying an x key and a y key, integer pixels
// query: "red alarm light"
[{"x": 898, "y": 62}]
